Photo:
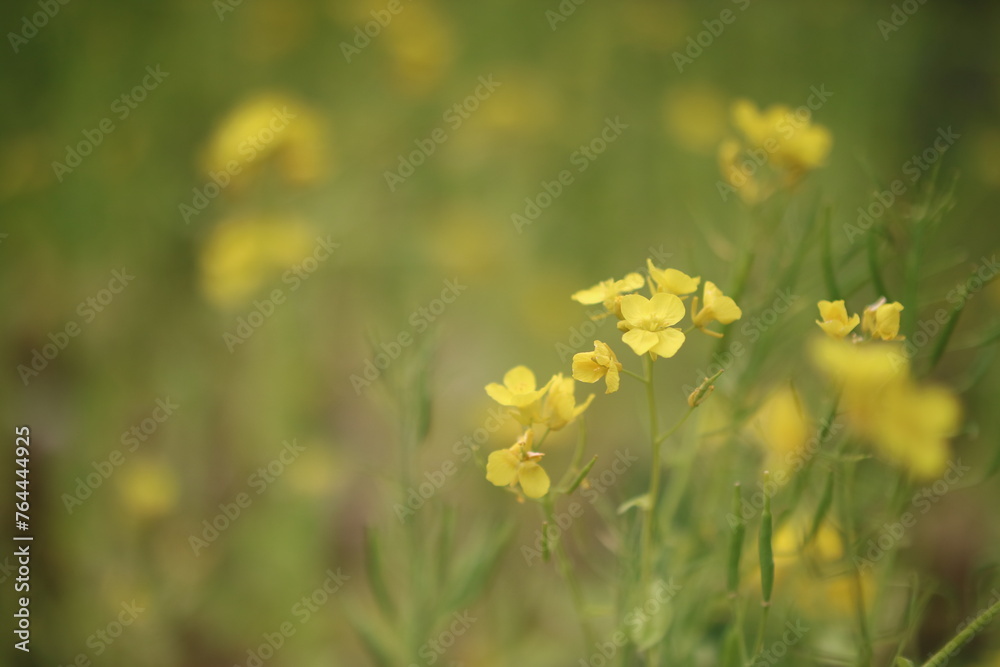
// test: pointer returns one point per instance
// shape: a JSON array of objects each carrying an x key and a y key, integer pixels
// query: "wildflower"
[
  {"x": 649, "y": 323},
  {"x": 518, "y": 391},
  {"x": 793, "y": 143},
  {"x": 559, "y": 407},
  {"x": 730, "y": 153},
  {"x": 782, "y": 428},
  {"x": 602, "y": 362},
  {"x": 881, "y": 320},
  {"x": 608, "y": 292},
  {"x": 671, "y": 281},
  {"x": 519, "y": 465},
  {"x": 835, "y": 321},
  {"x": 241, "y": 254},
  {"x": 909, "y": 424},
  {"x": 717, "y": 307}
]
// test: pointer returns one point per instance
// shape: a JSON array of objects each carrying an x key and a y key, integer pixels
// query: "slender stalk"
[
  {"x": 866, "y": 652},
  {"x": 567, "y": 572},
  {"x": 952, "y": 647},
  {"x": 649, "y": 517}
]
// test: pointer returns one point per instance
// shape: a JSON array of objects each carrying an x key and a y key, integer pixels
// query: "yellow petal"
[
  {"x": 635, "y": 309},
  {"x": 520, "y": 380},
  {"x": 613, "y": 379},
  {"x": 592, "y": 295},
  {"x": 640, "y": 340},
  {"x": 501, "y": 467},
  {"x": 500, "y": 393},
  {"x": 585, "y": 369},
  {"x": 668, "y": 342},
  {"x": 534, "y": 480},
  {"x": 666, "y": 309},
  {"x": 630, "y": 283},
  {"x": 726, "y": 311}
]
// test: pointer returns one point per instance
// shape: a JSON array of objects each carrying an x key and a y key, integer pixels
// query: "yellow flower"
[
  {"x": 717, "y": 308},
  {"x": 835, "y": 321},
  {"x": 671, "y": 281},
  {"x": 240, "y": 255},
  {"x": 782, "y": 428},
  {"x": 731, "y": 152},
  {"x": 791, "y": 139},
  {"x": 518, "y": 391},
  {"x": 559, "y": 407},
  {"x": 908, "y": 424},
  {"x": 881, "y": 320},
  {"x": 519, "y": 465},
  {"x": 602, "y": 362},
  {"x": 608, "y": 291},
  {"x": 649, "y": 322}
]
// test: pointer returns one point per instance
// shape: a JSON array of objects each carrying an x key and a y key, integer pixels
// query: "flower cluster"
[
  {"x": 908, "y": 423},
  {"x": 647, "y": 326},
  {"x": 789, "y": 144}
]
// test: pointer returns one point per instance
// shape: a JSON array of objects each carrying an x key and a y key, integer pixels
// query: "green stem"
[
  {"x": 945, "y": 654},
  {"x": 865, "y": 655},
  {"x": 566, "y": 570},
  {"x": 649, "y": 517}
]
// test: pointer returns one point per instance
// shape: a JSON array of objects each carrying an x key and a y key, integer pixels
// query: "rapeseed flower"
[
  {"x": 716, "y": 307},
  {"x": 519, "y": 391},
  {"x": 836, "y": 322},
  {"x": 559, "y": 407},
  {"x": 519, "y": 465},
  {"x": 649, "y": 324},
  {"x": 671, "y": 281},
  {"x": 881, "y": 320},
  {"x": 608, "y": 292},
  {"x": 602, "y": 362}
]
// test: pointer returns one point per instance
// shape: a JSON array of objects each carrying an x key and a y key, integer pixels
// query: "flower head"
[
  {"x": 608, "y": 291},
  {"x": 518, "y": 391},
  {"x": 717, "y": 307},
  {"x": 559, "y": 407},
  {"x": 602, "y": 362},
  {"x": 519, "y": 465},
  {"x": 671, "y": 281},
  {"x": 649, "y": 323},
  {"x": 881, "y": 320},
  {"x": 835, "y": 321}
]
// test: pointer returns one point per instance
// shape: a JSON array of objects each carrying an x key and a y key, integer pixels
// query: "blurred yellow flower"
[
  {"x": 782, "y": 427},
  {"x": 835, "y": 321},
  {"x": 519, "y": 465},
  {"x": 790, "y": 138},
  {"x": 695, "y": 116},
  {"x": 671, "y": 281},
  {"x": 881, "y": 320},
  {"x": 717, "y": 307},
  {"x": 602, "y": 362},
  {"x": 908, "y": 424},
  {"x": 608, "y": 291},
  {"x": 241, "y": 254},
  {"x": 559, "y": 407},
  {"x": 421, "y": 47},
  {"x": 739, "y": 178},
  {"x": 650, "y": 321},
  {"x": 148, "y": 488}
]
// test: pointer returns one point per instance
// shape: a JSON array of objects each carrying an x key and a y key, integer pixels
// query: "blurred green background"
[{"x": 323, "y": 175}]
